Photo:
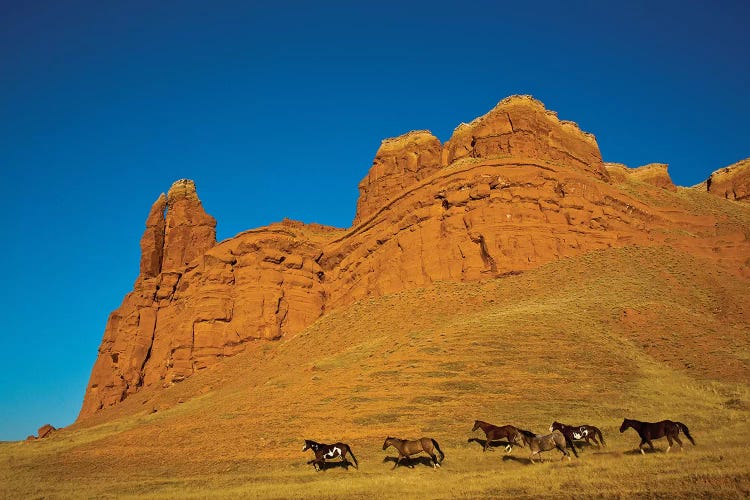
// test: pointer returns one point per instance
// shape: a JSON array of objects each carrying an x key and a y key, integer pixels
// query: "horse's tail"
[
  {"x": 437, "y": 447},
  {"x": 349, "y": 450},
  {"x": 685, "y": 431},
  {"x": 569, "y": 442},
  {"x": 599, "y": 435}
]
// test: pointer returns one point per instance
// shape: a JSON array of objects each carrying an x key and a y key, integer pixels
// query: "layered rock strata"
[{"x": 509, "y": 191}]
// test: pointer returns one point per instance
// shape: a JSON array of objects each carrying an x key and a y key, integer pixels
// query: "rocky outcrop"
[
  {"x": 399, "y": 163},
  {"x": 260, "y": 284},
  {"x": 44, "y": 431},
  {"x": 654, "y": 173},
  {"x": 732, "y": 182},
  {"x": 189, "y": 231},
  {"x": 521, "y": 127},
  {"x": 178, "y": 231},
  {"x": 512, "y": 190}
]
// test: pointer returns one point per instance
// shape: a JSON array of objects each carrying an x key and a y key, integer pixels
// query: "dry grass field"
[{"x": 645, "y": 333}]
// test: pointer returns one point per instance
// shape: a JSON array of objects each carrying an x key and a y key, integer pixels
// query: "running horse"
[
  {"x": 496, "y": 433},
  {"x": 538, "y": 444},
  {"x": 656, "y": 430},
  {"x": 323, "y": 451},
  {"x": 580, "y": 432},
  {"x": 407, "y": 448}
]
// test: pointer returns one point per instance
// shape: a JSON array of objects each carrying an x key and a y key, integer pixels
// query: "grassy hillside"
[{"x": 639, "y": 333}]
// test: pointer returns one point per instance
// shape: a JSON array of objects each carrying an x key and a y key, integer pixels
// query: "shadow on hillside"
[
  {"x": 583, "y": 446},
  {"x": 493, "y": 444},
  {"x": 333, "y": 465},
  {"x": 520, "y": 460},
  {"x": 648, "y": 451},
  {"x": 410, "y": 462}
]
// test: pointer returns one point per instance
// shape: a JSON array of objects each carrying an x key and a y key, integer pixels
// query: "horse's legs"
[
  {"x": 397, "y": 461},
  {"x": 640, "y": 446},
  {"x": 669, "y": 440},
  {"x": 677, "y": 438}
]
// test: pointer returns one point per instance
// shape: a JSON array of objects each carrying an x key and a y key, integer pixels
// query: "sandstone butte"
[{"x": 510, "y": 191}]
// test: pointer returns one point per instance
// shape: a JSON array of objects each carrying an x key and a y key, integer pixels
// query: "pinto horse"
[
  {"x": 655, "y": 430},
  {"x": 496, "y": 433},
  {"x": 538, "y": 444},
  {"x": 408, "y": 448},
  {"x": 323, "y": 451},
  {"x": 572, "y": 432}
]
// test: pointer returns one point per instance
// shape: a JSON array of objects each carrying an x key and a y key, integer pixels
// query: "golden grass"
[{"x": 633, "y": 332}]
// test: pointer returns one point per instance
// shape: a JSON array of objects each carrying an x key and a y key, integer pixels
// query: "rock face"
[
  {"x": 152, "y": 242},
  {"x": 509, "y": 191},
  {"x": 398, "y": 164},
  {"x": 732, "y": 182}
]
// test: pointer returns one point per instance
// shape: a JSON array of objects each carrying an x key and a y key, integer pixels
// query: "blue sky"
[{"x": 276, "y": 110}]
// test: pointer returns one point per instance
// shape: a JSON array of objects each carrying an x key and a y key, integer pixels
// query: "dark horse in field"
[
  {"x": 496, "y": 433},
  {"x": 579, "y": 432},
  {"x": 323, "y": 451},
  {"x": 655, "y": 430},
  {"x": 407, "y": 448},
  {"x": 538, "y": 444}
]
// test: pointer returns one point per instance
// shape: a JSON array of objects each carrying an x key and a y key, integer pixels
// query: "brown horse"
[
  {"x": 579, "y": 432},
  {"x": 656, "y": 430},
  {"x": 408, "y": 448},
  {"x": 538, "y": 444},
  {"x": 496, "y": 433}
]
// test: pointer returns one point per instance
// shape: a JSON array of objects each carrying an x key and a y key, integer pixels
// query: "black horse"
[
  {"x": 323, "y": 451},
  {"x": 655, "y": 430},
  {"x": 580, "y": 432}
]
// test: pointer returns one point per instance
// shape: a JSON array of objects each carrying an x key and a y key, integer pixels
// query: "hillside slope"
[{"x": 646, "y": 333}]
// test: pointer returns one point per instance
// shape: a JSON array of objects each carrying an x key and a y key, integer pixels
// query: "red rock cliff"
[{"x": 509, "y": 191}]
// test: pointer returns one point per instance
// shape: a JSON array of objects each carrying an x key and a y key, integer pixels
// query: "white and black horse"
[
  {"x": 580, "y": 432},
  {"x": 328, "y": 451}
]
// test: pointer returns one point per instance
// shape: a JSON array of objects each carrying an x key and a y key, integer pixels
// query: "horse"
[
  {"x": 587, "y": 432},
  {"x": 538, "y": 443},
  {"x": 323, "y": 451},
  {"x": 655, "y": 430},
  {"x": 407, "y": 448},
  {"x": 496, "y": 433}
]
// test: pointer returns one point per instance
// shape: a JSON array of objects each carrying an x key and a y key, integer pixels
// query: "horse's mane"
[{"x": 528, "y": 434}]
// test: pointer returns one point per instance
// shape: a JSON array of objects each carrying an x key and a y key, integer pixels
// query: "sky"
[{"x": 276, "y": 109}]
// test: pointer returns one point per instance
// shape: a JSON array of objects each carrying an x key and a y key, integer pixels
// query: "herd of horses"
[{"x": 561, "y": 437}]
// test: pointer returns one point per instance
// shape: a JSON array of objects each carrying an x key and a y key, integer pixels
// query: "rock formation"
[
  {"x": 520, "y": 127},
  {"x": 732, "y": 182},
  {"x": 511, "y": 190},
  {"x": 654, "y": 173},
  {"x": 44, "y": 431},
  {"x": 398, "y": 164}
]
